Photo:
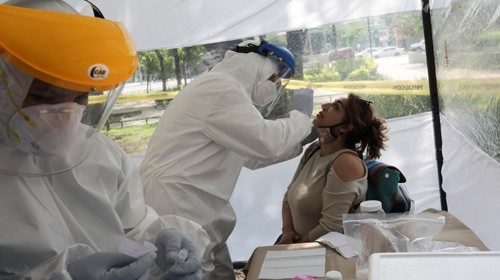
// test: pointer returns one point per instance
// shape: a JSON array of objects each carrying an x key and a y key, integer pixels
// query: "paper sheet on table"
[
  {"x": 338, "y": 242},
  {"x": 134, "y": 249},
  {"x": 288, "y": 264}
]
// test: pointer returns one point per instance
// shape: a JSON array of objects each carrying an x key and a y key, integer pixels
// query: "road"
[{"x": 398, "y": 68}]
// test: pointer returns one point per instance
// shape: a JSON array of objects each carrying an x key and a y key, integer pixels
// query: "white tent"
[
  {"x": 156, "y": 24},
  {"x": 471, "y": 177}
]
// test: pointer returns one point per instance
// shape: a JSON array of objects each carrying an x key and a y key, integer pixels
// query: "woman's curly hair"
[{"x": 369, "y": 131}]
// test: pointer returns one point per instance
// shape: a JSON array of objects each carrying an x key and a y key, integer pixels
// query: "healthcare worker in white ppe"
[
  {"x": 214, "y": 127},
  {"x": 71, "y": 199}
]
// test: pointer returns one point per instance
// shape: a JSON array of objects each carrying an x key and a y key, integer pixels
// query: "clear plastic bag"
[{"x": 379, "y": 233}]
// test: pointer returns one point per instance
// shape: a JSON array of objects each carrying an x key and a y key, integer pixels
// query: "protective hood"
[
  {"x": 249, "y": 69},
  {"x": 14, "y": 86}
]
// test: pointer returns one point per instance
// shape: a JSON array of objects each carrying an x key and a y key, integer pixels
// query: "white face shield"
[
  {"x": 269, "y": 89},
  {"x": 45, "y": 129}
]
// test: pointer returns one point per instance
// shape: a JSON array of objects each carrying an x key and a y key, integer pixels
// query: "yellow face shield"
[
  {"x": 51, "y": 64},
  {"x": 70, "y": 51}
]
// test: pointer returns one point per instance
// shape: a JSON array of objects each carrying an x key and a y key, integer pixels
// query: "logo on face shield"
[{"x": 98, "y": 72}]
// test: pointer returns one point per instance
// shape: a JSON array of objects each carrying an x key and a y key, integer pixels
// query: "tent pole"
[{"x": 431, "y": 72}]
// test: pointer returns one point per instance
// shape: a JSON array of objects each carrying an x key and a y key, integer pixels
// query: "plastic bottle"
[
  {"x": 371, "y": 206},
  {"x": 333, "y": 275}
]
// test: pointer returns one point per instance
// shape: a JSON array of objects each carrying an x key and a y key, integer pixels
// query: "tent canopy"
[{"x": 157, "y": 24}]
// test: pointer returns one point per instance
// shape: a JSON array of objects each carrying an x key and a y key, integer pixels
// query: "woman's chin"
[{"x": 315, "y": 122}]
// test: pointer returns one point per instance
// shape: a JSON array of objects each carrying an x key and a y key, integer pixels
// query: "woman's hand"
[
  {"x": 301, "y": 239},
  {"x": 288, "y": 236}
]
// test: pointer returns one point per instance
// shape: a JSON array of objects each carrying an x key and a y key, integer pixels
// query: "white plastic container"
[
  {"x": 333, "y": 275},
  {"x": 371, "y": 206}
]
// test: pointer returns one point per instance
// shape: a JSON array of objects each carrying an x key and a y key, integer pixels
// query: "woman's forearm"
[{"x": 286, "y": 215}]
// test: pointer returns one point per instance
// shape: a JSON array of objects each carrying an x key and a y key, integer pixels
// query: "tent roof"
[{"x": 158, "y": 24}]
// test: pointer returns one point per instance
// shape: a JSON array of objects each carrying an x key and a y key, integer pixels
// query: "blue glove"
[
  {"x": 170, "y": 242},
  {"x": 111, "y": 266},
  {"x": 302, "y": 100}
]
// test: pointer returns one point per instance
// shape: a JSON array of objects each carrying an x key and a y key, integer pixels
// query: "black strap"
[
  {"x": 250, "y": 48},
  {"x": 97, "y": 12}
]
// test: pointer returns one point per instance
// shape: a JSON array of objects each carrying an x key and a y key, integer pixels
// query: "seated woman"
[{"x": 331, "y": 178}]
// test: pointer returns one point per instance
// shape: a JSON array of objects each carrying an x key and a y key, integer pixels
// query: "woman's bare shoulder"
[{"x": 348, "y": 167}]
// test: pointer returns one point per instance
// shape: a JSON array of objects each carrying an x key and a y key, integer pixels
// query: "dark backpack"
[{"x": 383, "y": 185}]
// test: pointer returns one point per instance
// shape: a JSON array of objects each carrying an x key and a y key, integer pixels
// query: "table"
[{"x": 454, "y": 230}]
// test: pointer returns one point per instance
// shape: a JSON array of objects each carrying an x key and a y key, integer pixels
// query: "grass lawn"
[{"x": 133, "y": 139}]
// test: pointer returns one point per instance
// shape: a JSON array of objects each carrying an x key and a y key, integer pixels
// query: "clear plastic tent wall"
[{"x": 467, "y": 51}]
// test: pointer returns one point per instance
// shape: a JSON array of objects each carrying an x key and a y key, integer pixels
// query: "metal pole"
[
  {"x": 369, "y": 36},
  {"x": 431, "y": 72}
]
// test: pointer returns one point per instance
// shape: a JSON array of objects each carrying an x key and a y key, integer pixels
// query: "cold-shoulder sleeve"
[{"x": 337, "y": 198}]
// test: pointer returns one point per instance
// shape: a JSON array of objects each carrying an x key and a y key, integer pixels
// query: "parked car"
[
  {"x": 389, "y": 51},
  {"x": 366, "y": 52},
  {"x": 341, "y": 53},
  {"x": 418, "y": 47}
]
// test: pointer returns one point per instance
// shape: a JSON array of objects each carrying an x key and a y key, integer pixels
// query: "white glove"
[
  {"x": 302, "y": 100},
  {"x": 178, "y": 257}
]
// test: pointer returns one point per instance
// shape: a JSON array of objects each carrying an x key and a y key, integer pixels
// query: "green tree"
[
  {"x": 161, "y": 61},
  {"x": 295, "y": 43},
  {"x": 276, "y": 38},
  {"x": 177, "y": 65},
  {"x": 191, "y": 58},
  {"x": 148, "y": 61},
  {"x": 407, "y": 27},
  {"x": 352, "y": 33}
]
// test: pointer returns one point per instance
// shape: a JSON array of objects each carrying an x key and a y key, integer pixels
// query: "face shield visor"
[
  {"x": 60, "y": 75},
  {"x": 283, "y": 64}
]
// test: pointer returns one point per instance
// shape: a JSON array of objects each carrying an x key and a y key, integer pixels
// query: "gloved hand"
[
  {"x": 313, "y": 135},
  {"x": 170, "y": 242},
  {"x": 111, "y": 266},
  {"x": 302, "y": 100}
]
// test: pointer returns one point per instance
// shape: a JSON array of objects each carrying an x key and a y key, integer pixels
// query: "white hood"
[{"x": 247, "y": 68}]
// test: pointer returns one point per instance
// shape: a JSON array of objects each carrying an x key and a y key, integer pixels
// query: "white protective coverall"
[
  {"x": 47, "y": 222},
  {"x": 209, "y": 131}
]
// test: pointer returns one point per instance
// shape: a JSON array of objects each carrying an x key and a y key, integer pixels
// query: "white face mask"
[
  {"x": 46, "y": 129},
  {"x": 325, "y": 133},
  {"x": 264, "y": 94}
]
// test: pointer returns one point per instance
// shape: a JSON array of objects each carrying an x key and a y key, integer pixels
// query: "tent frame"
[{"x": 431, "y": 72}]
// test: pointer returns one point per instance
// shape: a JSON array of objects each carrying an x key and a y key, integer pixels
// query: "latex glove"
[
  {"x": 170, "y": 242},
  {"x": 302, "y": 100},
  {"x": 111, "y": 266},
  {"x": 313, "y": 135}
]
